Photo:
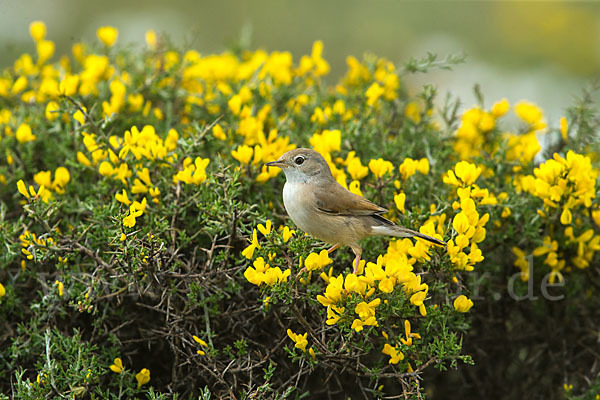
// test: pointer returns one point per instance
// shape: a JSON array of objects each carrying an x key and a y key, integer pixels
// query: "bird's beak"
[{"x": 277, "y": 163}]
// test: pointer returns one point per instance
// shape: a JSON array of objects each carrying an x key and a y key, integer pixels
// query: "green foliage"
[{"x": 146, "y": 251}]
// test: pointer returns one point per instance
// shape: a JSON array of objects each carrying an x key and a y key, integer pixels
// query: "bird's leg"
[
  {"x": 358, "y": 252},
  {"x": 356, "y": 263},
  {"x": 332, "y": 249}
]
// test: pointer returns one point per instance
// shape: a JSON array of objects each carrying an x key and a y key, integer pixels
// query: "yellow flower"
[
  {"x": 37, "y": 30},
  {"x": 465, "y": 171},
  {"x": 596, "y": 217},
  {"x": 117, "y": 366},
  {"x": 123, "y": 198},
  {"x": 399, "y": 200},
  {"x": 500, "y": 108},
  {"x": 566, "y": 217},
  {"x": 521, "y": 263},
  {"x": 248, "y": 252},
  {"x": 327, "y": 141},
  {"x": 129, "y": 220},
  {"x": 287, "y": 234},
  {"x": 334, "y": 314},
  {"x": 218, "y": 132},
  {"x": 22, "y": 188},
  {"x": 460, "y": 223},
  {"x": 380, "y": 167},
  {"x": 413, "y": 112},
  {"x": 45, "y": 50},
  {"x": 83, "y": 159},
  {"x": 366, "y": 310},
  {"x": 265, "y": 230},
  {"x": 79, "y": 116},
  {"x": 243, "y": 154},
  {"x": 564, "y": 128},
  {"x": 299, "y": 339},
  {"x": 354, "y": 187},
  {"x": 316, "y": 261},
  {"x": 373, "y": 93},
  {"x": 61, "y": 178},
  {"x": 462, "y": 303},
  {"x": 61, "y": 287},
  {"x": 123, "y": 237},
  {"x": 143, "y": 377},
  {"x": 2, "y": 290},
  {"x": 394, "y": 353},
  {"x": 24, "y": 134},
  {"x": 356, "y": 170},
  {"x": 409, "y": 335},
  {"x": 531, "y": 114},
  {"x": 150, "y": 37},
  {"x": 199, "y": 341},
  {"x": 51, "y": 112},
  {"x": 107, "y": 35}
]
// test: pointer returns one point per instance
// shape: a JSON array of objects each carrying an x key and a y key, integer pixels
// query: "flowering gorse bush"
[{"x": 145, "y": 245}]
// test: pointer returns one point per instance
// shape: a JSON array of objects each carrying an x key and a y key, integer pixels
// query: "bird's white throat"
[{"x": 293, "y": 195}]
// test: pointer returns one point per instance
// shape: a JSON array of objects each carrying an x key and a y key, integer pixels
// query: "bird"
[{"x": 324, "y": 209}]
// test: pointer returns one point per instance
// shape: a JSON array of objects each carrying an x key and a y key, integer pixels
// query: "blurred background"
[{"x": 545, "y": 52}]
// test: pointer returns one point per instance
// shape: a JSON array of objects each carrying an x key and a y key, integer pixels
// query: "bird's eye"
[{"x": 299, "y": 160}]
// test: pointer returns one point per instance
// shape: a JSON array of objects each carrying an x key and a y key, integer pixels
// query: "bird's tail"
[{"x": 400, "y": 231}]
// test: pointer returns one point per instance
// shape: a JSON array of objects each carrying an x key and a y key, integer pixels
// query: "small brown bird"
[{"x": 326, "y": 210}]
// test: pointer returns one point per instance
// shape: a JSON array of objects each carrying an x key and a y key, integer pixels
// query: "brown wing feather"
[{"x": 339, "y": 201}]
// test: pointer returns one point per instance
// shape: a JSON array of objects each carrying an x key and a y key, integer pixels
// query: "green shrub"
[{"x": 146, "y": 250}]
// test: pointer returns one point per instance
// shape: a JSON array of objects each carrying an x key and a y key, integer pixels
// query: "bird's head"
[{"x": 302, "y": 165}]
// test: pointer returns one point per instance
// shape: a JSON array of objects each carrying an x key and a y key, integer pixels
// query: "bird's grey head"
[{"x": 303, "y": 165}]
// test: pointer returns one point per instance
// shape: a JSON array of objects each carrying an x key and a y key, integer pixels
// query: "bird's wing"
[{"x": 336, "y": 200}]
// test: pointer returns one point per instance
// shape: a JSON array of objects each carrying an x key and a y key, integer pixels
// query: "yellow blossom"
[
  {"x": 150, "y": 37},
  {"x": 142, "y": 377},
  {"x": 2, "y": 290},
  {"x": 500, "y": 108},
  {"x": 22, "y": 188},
  {"x": 354, "y": 187},
  {"x": 374, "y": 92},
  {"x": 24, "y": 134},
  {"x": 37, "y": 30},
  {"x": 117, "y": 366},
  {"x": 379, "y": 167},
  {"x": 299, "y": 339},
  {"x": 287, "y": 234},
  {"x": 265, "y": 229},
  {"x": 316, "y": 261},
  {"x": 243, "y": 154},
  {"x": 248, "y": 252},
  {"x": 129, "y": 220},
  {"x": 462, "y": 303},
  {"x": 327, "y": 141},
  {"x": 531, "y": 114},
  {"x": 356, "y": 170},
  {"x": 199, "y": 341},
  {"x": 45, "y": 50},
  {"x": 79, "y": 116},
  {"x": 564, "y": 128},
  {"x": 413, "y": 112},
  {"x": 107, "y": 35},
  {"x": 61, "y": 287},
  {"x": 123, "y": 198},
  {"x": 465, "y": 171},
  {"x": 395, "y": 355},
  {"x": 399, "y": 200},
  {"x": 51, "y": 112},
  {"x": 218, "y": 132}
]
